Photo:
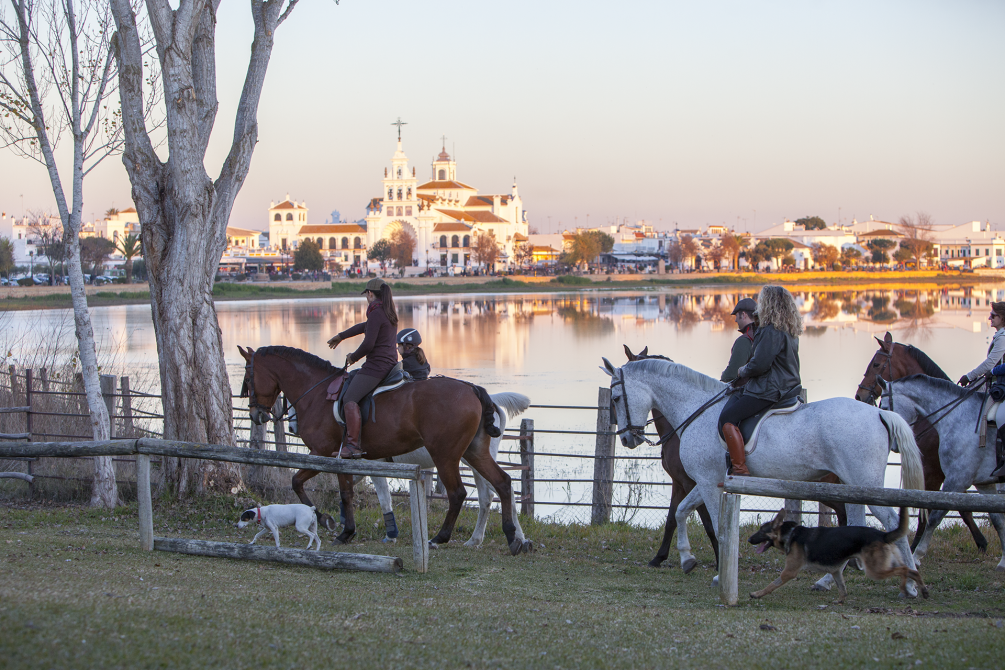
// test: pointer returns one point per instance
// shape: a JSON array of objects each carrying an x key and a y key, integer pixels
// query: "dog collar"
[{"x": 259, "y": 512}]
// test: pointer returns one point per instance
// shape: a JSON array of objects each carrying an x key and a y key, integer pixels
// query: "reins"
[
  {"x": 253, "y": 403},
  {"x": 948, "y": 407}
]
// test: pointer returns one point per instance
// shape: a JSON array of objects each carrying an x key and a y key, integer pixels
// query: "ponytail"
[
  {"x": 420, "y": 356},
  {"x": 387, "y": 300}
]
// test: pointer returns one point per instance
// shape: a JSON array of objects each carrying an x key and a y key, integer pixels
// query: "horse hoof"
[
  {"x": 389, "y": 540},
  {"x": 345, "y": 538},
  {"x": 1000, "y": 567},
  {"x": 528, "y": 547},
  {"x": 819, "y": 587},
  {"x": 515, "y": 547},
  {"x": 433, "y": 545},
  {"x": 473, "y": 543},
  {"x": 715, "y": 580},
  {"x": 689, "y": 565}
]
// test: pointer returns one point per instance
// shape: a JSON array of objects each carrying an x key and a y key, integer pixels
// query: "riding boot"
[
  {"x": 1000, "y": 454},
  {"x": 734, "y": 443},
  {"x": 353, "y": 427}
]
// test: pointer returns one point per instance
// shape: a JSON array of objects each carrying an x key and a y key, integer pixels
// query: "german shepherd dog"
[{"x": 830, "y": 549}]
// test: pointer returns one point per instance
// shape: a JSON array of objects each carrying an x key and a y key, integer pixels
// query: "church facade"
[{"x": 444, "y": 215}]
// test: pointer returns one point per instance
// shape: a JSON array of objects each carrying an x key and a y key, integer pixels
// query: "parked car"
[
  {"x": 41, "y": 278},
  {"x": 101, "y": 280}
]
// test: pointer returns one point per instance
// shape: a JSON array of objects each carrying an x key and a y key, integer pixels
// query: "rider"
[
  {"x": 380, "y": 353},
  {"x": 413, "y": 358},
  {"x": 744, "y": 344},
  {"x": 992, "y": 365},
  {"x": 771, "y": 372}
]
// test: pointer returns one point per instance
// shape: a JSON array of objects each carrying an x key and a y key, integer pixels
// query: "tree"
[
  {"x": 689, "y": 249},
  {"x": 675, "y": 254},
  {"x": 918, "y": 236},
  {"x": 879, "y": 247},
  {"x": 902, "y": 254},
  {"x": 778, "y": 248},
  {"x": 380, "y": 251},
  {"x": 402, "y": 247},
  {"x": 130, "y": 247},
  {"x": 759, "y": 254},
  {"x": 308, "y": 257},
  {"x": 715, "y": 256},
  {"x": 94, "y": 252},
  {"x": 824, "y": 255},
  {"x": 583, "y": 249},
  {"x": 6, "y": 256},
  {"x": 485, "y": 249},
  {"x": 850, "y": 255},
  {"x": 731, "y": 245},
  {"x": 523, "y": 254},
  {"x": 110, "y": 212},
  {"x": 184, "y": 211},
  {"x": 812, "y": 223},
  {"x": 58, "y": 58},
  {"x": 48, "y": 235}
]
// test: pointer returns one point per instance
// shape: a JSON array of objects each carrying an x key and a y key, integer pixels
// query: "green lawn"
[{"x": 76, "y": 591}]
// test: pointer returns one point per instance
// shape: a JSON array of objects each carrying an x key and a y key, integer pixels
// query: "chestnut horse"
[
  {"x": 893, "y": 361},
  {"x": 450, "y": 418}
]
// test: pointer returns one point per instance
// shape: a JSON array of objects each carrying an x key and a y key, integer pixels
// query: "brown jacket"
[{"x": 378, "y": 344}]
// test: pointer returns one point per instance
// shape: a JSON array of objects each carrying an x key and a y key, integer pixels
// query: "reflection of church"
[{"x": 444, "y": 215}]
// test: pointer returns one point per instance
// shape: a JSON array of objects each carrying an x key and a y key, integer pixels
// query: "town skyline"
[{"x": 665, "y": 113}]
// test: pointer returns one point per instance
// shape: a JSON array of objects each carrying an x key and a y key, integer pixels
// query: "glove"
[
  {"x": 349, "y": 360},
  {"x": 964, "y": 381},
  {"x": 334, "y": 342}
]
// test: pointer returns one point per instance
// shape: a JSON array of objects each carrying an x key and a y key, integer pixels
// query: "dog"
[
  {"x": 830, "y": 549},
  {"x": 274, "y": 517}
]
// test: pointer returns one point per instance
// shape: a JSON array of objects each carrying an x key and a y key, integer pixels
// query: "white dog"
[{"x": 274, "y": 517}]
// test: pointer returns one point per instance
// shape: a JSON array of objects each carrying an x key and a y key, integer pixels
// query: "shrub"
[
  {"x": 25, "y": 281},
  {"x": 572, "y": 280}
]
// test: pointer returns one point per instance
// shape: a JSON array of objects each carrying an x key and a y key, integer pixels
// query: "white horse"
[
  {"x": 840, "y": 435},
  {"x": 507, "y": 405},
  {"x": 963, "y": 461}
]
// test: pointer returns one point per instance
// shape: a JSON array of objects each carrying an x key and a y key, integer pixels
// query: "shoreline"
[{"x": 58, "y": 297}]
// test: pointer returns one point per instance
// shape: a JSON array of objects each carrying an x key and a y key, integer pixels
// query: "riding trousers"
[
  {"x": 360, "y": 386},
  {"x": 739, "y": 407}
]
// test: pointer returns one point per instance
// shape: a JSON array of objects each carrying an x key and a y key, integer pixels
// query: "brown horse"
[
  {"x": 449, "y": 417},
  {"x": 893, "y": 361}
]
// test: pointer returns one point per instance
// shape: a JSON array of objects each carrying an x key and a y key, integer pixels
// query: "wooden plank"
[
  {"x": 108, "y": 396},
  {"x": 527, "y": 461},
  {"x": 79, "y": 449},
  {"x": 146, "y": 511},
  {"x": 327, "y": 560},
  {"x": 729, "y": 548},
  {"x": 420, "y": 533},
  {"x": 603, "y": 464},
  {"x": 13, "y": 410},
  {"x": 127, "y": 406},
  {"x": 14, "y": 436},
  {"x": 862, "y": 495},
  {"x": 219, "y": 452},
  {"x": 16, "y": 475}
]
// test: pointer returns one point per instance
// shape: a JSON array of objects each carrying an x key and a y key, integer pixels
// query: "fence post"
[
  {"x": 279, "y": 426},
  {"x": 420, "y": 537},
  {"x": 27, "y": 401},
  {"x": 527, "y": 461},
  {"x": 108, "y": 395},
  {"x": 145, "y": 502},
  {"x": 729, "y": 548},
  {"x": 127, "y": 407},
  {"x": 794, "y": 508},
  {"x": 43, "y": 376},
  {"x": 603, "y": 463}
]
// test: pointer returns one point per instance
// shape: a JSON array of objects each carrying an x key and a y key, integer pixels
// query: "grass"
[{"x": 75, "y": 591}]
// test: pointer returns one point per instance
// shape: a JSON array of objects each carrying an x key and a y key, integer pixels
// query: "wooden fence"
[{"x": 735, "y": 487}]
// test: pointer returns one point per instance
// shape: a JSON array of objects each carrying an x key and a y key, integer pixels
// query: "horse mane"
[
  {"x": 667, "y": 367},
  {"x": 928, "y": 366},
  {"x": 942, "y": 384},
  {"x": 298, "y": 356}
]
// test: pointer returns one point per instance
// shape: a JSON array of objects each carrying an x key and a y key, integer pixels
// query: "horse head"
[
  {"x": 623, "y": 407},
  {"x": 261, "y": 411},
  {"x": 878, "y": 370}
]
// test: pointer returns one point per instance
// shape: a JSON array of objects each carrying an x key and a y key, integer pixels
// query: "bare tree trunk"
[{"x": 184, "y": 213}]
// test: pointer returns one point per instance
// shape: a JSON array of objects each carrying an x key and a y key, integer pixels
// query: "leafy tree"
[
  {"x": 758, "y": 254},
  {"x": 110, "y": 212},
  {"x": 732, "y": 245},
  {"x": 675, "y": 254},
  {"x": 879, "y": 248},
  {"x": 583, "y": 249},
  {"x": 689, "y": 249},
  {"x": 94, "y": 251},
  {"x": 308, "y": 257},
  {"x": 902, "y": 254},
  {"x": 715, "y": 256},
  {"x": 812, "y": 222},
  {"x": 6, "y": 256},
  {"x": 523, "y": 254},
  {"x": 824, "y": 255},
  {"x": 402, "y": 247},
  {"x": 380, "y": 251},
  {"x": 850, "y": 255},
  {"x": 485, "y": 249},
  {"x": 918, "y": 236},
  {"x": 778, "y": 247},
  {"x": 130, "y": 247}
]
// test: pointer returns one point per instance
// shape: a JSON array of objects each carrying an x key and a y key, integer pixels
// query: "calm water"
[{"x": 549, "y": 347}]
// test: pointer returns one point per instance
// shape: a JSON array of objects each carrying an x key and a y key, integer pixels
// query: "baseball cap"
[{"x": 745, "y": 305}]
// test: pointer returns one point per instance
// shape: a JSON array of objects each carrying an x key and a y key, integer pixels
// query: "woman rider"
[
  {"x": 993, "y": 365},
  {"x": 771, "y": 372},
  {"x": 378, "y": 348},
  {"x": 413, "y": 358}
]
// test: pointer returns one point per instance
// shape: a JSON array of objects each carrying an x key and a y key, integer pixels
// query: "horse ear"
[
  {"x": 882, "y": 344},
  {"x": 608, "y": 367},
  {"x": 888, "y": 338},
  {"x": 243, "y": 352},
  {"x": 628, "y": 353},
  {"x": 645, "y": 351}
]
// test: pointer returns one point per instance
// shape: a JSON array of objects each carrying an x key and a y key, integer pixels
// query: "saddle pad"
[
  {"x": 751, "y": 443},
  {"x": 367, "y": 406},
  {"x": 335, "y": 387}
]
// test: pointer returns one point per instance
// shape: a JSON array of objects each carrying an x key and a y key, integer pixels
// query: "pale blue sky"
[{"x": 684, "y": 112}]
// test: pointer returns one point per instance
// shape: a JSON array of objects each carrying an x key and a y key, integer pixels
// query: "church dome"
[{"x": 444, "y": 156}]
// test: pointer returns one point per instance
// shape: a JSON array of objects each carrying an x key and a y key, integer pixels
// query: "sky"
[{"x": 678, "y": 113}]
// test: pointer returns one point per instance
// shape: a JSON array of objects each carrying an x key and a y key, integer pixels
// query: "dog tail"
[{"x": 902, "y": 528}]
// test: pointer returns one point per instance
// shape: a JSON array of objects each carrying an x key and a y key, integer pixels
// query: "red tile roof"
[
  {"x": 331, "y": 228},
  {"x": 452, "y": 227},
  {"x": 286, "y": 204},
  {"x": 128, "y": 210},
  {"x": 485, "y": 200},
  {"x": 517, "y": 237},
  {"x": 447, "y": 184}
]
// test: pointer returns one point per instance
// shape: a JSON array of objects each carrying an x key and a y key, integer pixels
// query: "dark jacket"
[
  {"x": 378, "y": 344},
  {"x": 414, "y": 368},
  {"x": 773, "y": 368},
  {"x": 740, "y": 354}
]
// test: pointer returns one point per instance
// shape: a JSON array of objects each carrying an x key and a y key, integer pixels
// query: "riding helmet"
[{"x": 409, "y": 336}]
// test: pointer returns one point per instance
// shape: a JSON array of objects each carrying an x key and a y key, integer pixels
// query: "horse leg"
[
  {"x": 975, "y": 531},
  {"x": 922, "y": 538},
  {"x": 890, "y": 520},
  {"x": 677, "y": 494},
  {"x": 301, "y": 478},
  {"x": 384, "y": 498},
  {"x": 706, "y": 522},
  {"x": 485, "y": 492},
  {"x": 998, "y": 521},
  {"x": 687, "y": 505},
  {"x": 482, "y": 462},
  {"x": 346, "y": 493}
]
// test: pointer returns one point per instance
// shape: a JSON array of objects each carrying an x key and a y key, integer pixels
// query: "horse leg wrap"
[
  {"x": 341, "y": 513},
  {"x": 390, "y": 525}
]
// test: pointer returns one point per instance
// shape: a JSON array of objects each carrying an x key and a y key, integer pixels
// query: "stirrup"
[{"x": 350, "y": 453}]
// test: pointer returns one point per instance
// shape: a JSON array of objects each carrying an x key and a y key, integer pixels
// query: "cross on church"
[
  {"x": 399, "y": 123},
  {"x": 444, "y": 138}
]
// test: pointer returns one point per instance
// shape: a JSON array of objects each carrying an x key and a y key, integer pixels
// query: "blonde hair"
[{"x": 776, "y": 307}]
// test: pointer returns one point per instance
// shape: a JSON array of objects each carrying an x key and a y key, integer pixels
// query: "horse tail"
[
  {"x": 912, "y": 474},
  {"x": 511, "y": 403},
  {"x": 488, "y": 411}
]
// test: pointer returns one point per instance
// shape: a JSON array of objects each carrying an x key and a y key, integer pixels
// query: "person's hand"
[
  {"x": 964, "y": 381},
  {"x": 349, "y": 360},
  {"x": 334, "y": 342}
]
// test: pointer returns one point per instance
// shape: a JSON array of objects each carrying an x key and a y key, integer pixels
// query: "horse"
[
  {"x": 839, "y": 435},
  {"x": 450, "y": 418},
  {"x": 507, "y": 405},
  {"x": 964, "y": 461},
  {"x": 895, "y": 361}
]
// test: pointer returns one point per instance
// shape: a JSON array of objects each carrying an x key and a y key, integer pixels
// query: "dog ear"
[
  {"x": 779, "y": 519},
  {"x": 249, "y": 515}
]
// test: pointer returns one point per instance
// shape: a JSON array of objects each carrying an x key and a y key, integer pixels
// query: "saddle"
[
  {"x": 392, "y": 380},
  {"x": 750, "y": 427}
]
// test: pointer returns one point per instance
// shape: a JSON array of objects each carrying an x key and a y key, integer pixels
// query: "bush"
[
  {"x": 572, "y": 280},
  {"x": 25, "y": 281}
]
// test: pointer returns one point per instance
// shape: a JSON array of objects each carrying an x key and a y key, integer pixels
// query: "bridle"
[
  {"x": 248, "y": 391},
  {"x": 879, "y": 375}
]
